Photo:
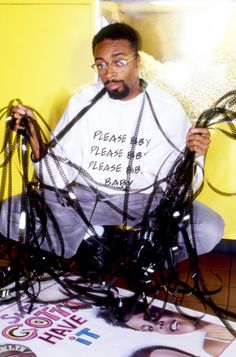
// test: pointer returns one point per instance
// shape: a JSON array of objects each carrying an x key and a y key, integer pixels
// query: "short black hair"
[
  {"x": 130, "y": 307},
  {"x": 118, "y": 31}
]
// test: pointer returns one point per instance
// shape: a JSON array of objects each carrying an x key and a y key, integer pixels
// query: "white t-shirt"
[{"x": 101, "y": 141}]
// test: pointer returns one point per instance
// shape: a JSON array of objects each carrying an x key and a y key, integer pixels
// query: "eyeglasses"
[{"x": 118, "y": 66}]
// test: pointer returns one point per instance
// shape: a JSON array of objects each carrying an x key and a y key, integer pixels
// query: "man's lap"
[{"x": 76, "y": 218}]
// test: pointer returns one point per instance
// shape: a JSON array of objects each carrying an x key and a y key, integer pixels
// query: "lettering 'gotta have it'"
[{"x": 49, "y": 324}]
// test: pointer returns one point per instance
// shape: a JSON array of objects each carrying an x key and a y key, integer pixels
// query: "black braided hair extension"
[{"x": 140, "y": 256}]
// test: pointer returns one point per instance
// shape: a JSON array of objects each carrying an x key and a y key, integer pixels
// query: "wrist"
[{"x": 39, "y": 153}]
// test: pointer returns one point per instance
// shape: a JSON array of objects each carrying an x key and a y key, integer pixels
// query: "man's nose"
[{"x": 110, "y": 72}]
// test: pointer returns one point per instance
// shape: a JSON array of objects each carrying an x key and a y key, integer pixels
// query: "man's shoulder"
[
  {"x": 87, "y": 92},
  {"x": 156, "y": 91},
  {"x": 80, "y": 99},
  {"x": 162, "y": 98}
]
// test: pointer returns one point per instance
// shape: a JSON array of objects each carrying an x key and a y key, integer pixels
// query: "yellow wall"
[
  {"x": 220, "y": 170},
  {"x": 45, "y": 53}
]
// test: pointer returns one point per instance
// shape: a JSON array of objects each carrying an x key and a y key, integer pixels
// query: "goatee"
[{"x": 118, "y": 94}]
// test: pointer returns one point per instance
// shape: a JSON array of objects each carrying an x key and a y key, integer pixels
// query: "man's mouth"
[{"x": 112, "y": 85}]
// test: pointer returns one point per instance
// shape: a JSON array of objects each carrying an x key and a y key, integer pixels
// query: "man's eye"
[
  {"x": 121, "y": 63},
  {"x": 101, "y": 66}
]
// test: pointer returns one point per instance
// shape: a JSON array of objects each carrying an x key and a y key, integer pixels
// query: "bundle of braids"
[{"x": 143, "y": 258}]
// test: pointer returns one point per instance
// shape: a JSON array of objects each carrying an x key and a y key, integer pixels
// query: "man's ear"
[{"x": 139, "y": 60}]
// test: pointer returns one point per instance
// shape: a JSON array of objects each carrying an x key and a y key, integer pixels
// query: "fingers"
[
  {"x": 24, "y": 122},
  {"x": 198, "y": 140},
  {"x": 19, "y": 113},
  {"x": 20, "y": 110}
]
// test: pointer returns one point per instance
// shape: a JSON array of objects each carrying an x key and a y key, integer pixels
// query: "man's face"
[
  {"x": 120, "y": 85},
  {"x": 167, "y": 324}
]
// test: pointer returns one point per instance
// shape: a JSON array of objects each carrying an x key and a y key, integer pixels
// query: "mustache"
[{"x": 112, "y": 81}]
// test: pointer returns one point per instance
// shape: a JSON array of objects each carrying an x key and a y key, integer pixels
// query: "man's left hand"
[{"x": 198, "y": 140}]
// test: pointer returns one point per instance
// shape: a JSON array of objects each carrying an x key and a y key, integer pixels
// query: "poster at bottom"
[{"x": 66, "y": 329}]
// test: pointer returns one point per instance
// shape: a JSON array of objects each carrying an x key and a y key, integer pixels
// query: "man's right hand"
[
  {"x": 24, "y": 120},
  {"x": 20, "y": 111}
]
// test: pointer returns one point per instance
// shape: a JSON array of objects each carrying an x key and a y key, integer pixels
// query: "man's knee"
[
  {"x": 208, "y": 227},
  {"x": 214, "y": 231}
]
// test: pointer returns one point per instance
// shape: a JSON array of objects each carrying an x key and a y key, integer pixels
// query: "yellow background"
[
  {"x": 45, "y": 52},
  {"x": 45, "y": 55}
]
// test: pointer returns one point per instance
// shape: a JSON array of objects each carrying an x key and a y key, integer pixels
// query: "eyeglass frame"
[{"x": 113, "y": 63}]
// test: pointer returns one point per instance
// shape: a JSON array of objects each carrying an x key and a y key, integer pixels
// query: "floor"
[{"x": 218, "y": 271}]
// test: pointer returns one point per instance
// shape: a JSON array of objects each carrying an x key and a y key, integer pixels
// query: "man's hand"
[
  {"x": 198, "y": 140},
  {"x": 20, "y": 111},
  {"x": 24, "y": 119}
]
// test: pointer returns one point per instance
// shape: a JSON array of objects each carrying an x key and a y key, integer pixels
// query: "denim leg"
[{"x": 208, "y": 229}]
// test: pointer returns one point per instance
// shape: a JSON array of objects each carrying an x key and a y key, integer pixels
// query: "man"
[{"x": 109, "y": 167}]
